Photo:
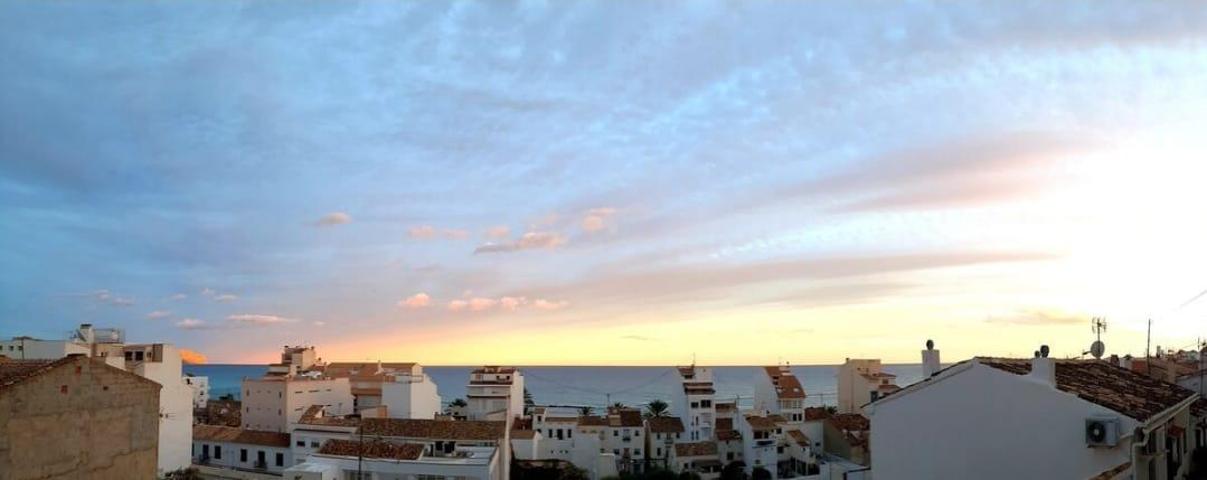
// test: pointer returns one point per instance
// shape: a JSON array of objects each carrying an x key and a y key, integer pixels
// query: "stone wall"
[{"x": 81, "y": 419}]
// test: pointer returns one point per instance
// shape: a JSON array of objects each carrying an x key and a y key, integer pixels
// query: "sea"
[{"x": 595, "y": 386}]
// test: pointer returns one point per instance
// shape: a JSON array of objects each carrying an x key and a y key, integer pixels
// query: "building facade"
[
  {"x": 239, "y": 449},
  {"x": 862, "y": 381},
  {"x": 693, "y": 402},
  {"x": 495, "y": 393}
]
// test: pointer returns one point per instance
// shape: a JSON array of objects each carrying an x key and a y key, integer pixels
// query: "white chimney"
[
  {"x": 930, "y": 360},
  {"x": 1043, "y": 369}
]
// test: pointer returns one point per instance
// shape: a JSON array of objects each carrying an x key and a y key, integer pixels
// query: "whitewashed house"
[
  {"x": 238, "y": 449},
  {"x": 990, "y": 418},
  {"x": 401, "y": 387},
  {"x": 777, "y": 391},
  {"x": 693, "y": 402},
  {"x": 662, "y": 435}
]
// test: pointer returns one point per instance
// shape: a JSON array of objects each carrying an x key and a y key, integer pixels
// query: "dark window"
[
  {"x": 280, "y": 459},
  {"x": 695, "y": 404},
  {"x": 243, "y": 455},
  {"x": 205, "y": 451},
  {"x": 301, "y": 443},
  {"x": 260, "y": 458},
  {"x": 615, "y": 433},
  {"x": 218, "y": 452}
]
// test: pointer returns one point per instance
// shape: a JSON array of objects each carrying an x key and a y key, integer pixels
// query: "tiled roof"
[
  {"x": 1101, "y": 383},
  {"x": 786, "y": 384},
  {"x": 815, "y": 413},
  {"x": 726, "y": 435},
  {"x": 725, "y": 406},
  {"x": 364, "y": 370},
  {"x": 1114, "y": 472},
  {"x": 851, "y": 422},
  {"x": 1199, "y": 408},
  {"x": 799, "y": 437},
  {"x": 15, "y": 371},
  {"x": 218, "y": 433},
  {"x": 433, "y": 429},
  {"x": 592, "y": 421},
  {"x": 624, "y": 417},
  {"x": 523, "y": 434},
  {"x": 665, "y": 424},
  {"x": 372, "y": 449},
  {"x": 724, "y": 424},
  {"x": 494, "y": 369},
  {"x": 758, "y": 423},
  {"x": 315, "y": 415},
  {"x": 696, "y": 449}
]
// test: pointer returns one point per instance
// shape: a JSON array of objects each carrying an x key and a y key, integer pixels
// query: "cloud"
[
  {"x": 498, "y": 232},
  {"x": 191, "y": 324},
  {"x": 108, "y": 298},
  {"x": 207, "y": 292},
  {"x": 542, "y": 304},
  {"x": 596, "y": 219},
  {"x": 457, "y": 305},
  {"x": 479, "y": 304},
  {"x": 178, "y": 297},
  {"x": 258, "y": 320},
  {"x": 428, "y": 232},
  {"x": 225, "y": 298},
  {"x": 418, "y": 300},
  {"x": 191, "y": 357},
  {"x": 158, "y": 314},
  {"x": 1033, "y": 318},
  {"x": 529, "y": 241},
  {"x": 334, "y": 218},
  {"x": 319, "y": 323},
  {"x": 512, "y": 303}
]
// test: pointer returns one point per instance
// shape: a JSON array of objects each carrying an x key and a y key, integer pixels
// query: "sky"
[{"x": 611, "y": 182}]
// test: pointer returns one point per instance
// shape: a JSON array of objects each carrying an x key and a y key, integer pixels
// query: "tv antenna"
[{"x": 1097, "y": 325}]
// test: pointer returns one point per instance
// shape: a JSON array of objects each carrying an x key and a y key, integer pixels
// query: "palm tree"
[
  {"x": 585, "y": 410},
  {"x": 619, "y": 406},
  {"x": 656, "y": 408},
  {"x": 458, "y": 402}
]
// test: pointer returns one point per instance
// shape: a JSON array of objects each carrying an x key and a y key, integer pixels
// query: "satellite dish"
[
  {"x": 1043, "y": 351},
  {"x": 930, "y": 344},
  {"x": 1097, "y": 348}
]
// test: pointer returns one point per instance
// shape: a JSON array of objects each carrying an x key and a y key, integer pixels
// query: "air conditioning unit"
[{"x": 1101, "y": 431}]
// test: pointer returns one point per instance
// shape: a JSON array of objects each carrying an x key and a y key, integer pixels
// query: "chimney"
[
  {"x": 1126, "y": 362},
  {"x": 1043, "y": 369},
  {"x": 930, "y": 360}
]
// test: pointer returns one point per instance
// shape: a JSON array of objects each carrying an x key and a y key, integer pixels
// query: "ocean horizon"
[{"x": 594, "y": 386}]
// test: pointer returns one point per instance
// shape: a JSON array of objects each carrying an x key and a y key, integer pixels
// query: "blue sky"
[{"x": 603, "y": 182}]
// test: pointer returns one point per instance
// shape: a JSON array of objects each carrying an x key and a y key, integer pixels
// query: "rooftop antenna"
[{"x": 1097, "y": 325}]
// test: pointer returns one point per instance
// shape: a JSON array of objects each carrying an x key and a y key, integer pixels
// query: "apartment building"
[
  {"x": 862, "y": 381},
  {"x": 76, "y": 417},
  {"x": 662, "y": 435},
  {"x": 201, "y": 389},
  {"x": 272, "y": 403},
  {"x": 693, "y": 402},
  {"x": 495, "y": 393},
  {"x": 777, "y": 391},
  {"x": 401, "y": 387}
]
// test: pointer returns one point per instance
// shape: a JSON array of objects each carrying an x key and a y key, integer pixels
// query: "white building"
[
  {"x": 273, "y": 403},
  {"x": 235, "y": 448},
  {"x": 700, "y": 458},
  {"x": 662, "y": 435},
  {"x": 861, "y": 381},
  {"x": 201, "y": 389},
  {"x": 1040, "y": 418},
  {"x": 780, "y": 447},
  {"x": 777, "y": 391},
  {"x": 495, "y": 393},
  {"x": 29, "y": 348},
  {"x": 388, "y": 460},
  {"x": 693, "y": 402},
  {"x": 402, "y": 388}
]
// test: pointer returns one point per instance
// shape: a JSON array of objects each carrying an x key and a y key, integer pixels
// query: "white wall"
[
  {"x": 231, "y": 455},
  {"x": 407, "y": 470},
  {"x": 201, "y": 390},
  {"x": 407, "y": 399},
  {"x": 32, "y": 349},
  {"x": 988, "y": 424}
]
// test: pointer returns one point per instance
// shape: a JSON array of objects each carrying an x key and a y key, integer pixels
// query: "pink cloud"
[
  {"x": 529, "y": 241},
  {"x": 511, "y": 303},
  {"x": 498, "y": 232},
  {"x": 457, "y": 305},
  {"x": 158, "y": 314},
  {"x": 543, "y": 304},
  {"x": 334, "y": 218},
  {"x": 479, "y": 304},
  {"x": 191, "y": 324},
  {"x": 422, "y": 232},
  {"x": 418, "y": 300},
  {"x": 596, "y": 219},
  {"x": 428, "y": 232}
]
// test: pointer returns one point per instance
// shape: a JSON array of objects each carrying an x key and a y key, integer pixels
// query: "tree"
[
  {"x": 760, "y": 473},
  {"x": 656, "y": 408},
  {"x": 528, "y": 402},
  {"x": 619, "y": 406},
  {"x": 458, "y": 402},
  {"x": 734, "y": 470},
  {"x": 585, "y": 410}
]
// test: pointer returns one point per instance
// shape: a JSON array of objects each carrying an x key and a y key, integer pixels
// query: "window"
[
  {"x": 637, "y": 451},
  {"x": 695, "y": 404},
  {"x": 205, "y": 451},
  {"x": 314, "y": 444},
  {"x": 615, "y": 433},
  {"x": 301, "y": 443},
  {"x": 636, "y": 433},
  {"x": 280, "y": 459},
  {"x": 729, "y": 456},
  {"x": 243, "y": 455},
  {"x": 705, "y": 403},
  {"x": 217, "y": 452},
  {"x": 658, "y": 451}
]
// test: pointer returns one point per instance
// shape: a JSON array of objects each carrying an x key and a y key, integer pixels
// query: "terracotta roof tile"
[
  {"x": 759, "y": 424},
  {"x": 799, "y": 437},
  {"x": 785, "y": 382},
  {"x": 15, "y": 371},
  {"x": 850, "y": 422},
  {"x": 665, "y": 424},
  {"x": 624, "y": 417},
  {"x": 523, "y": 434},
  {"x": 316, "y": 415},
  {"x": 434, "y": 429},
  {"x": 727, "y": 435},
  {"x": 219, "y": 433},
  {"x": 724, "y": 424},
  {"x": 816, "y": 413},
  {"x": 372, "y": 449},
  {"x": 696, "y": 449},
  {"x": 592, "y": 421},
  {"x": 726, "y": 406},
  {"x": 1101, "y": 383}
]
